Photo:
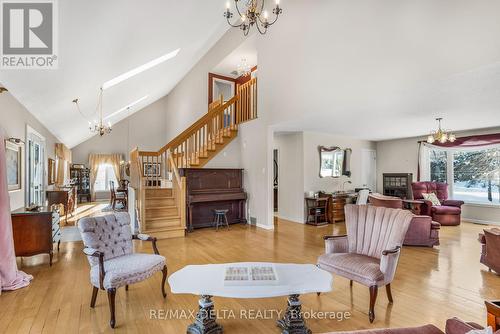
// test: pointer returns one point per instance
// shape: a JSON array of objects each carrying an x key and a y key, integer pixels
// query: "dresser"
[
  {"x": 35, "y": 232},
  {"x": 335, "y": 206}
]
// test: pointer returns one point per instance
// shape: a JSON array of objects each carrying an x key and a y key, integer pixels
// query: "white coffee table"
[{"x": 208, "y": 280}]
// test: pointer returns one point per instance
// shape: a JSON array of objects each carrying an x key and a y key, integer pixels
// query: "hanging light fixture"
[
  {"x": 252, "y": 14},
  {"x": 244, "y": 69},
  {"x": 440, "y": 135},
  {"x": 98, "y": 126}
]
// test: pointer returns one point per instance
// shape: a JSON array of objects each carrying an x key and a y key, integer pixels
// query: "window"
[
  {"x": 438, "y": 161},
  {"x": 105, "y": 173},
  {"x": 476, "y": 176},
  {"x": 475, "y": 173}
]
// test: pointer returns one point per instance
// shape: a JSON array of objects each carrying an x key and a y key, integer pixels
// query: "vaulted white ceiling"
[
  {"x": 99, "y": 40},
  {"x": 383, "y": 69}
]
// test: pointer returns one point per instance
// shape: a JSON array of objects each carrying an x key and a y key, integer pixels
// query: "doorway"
[
  {"x": 35, "y": 168},
  {"x": 369, "y": 169},
  {"x": 275, "y": 180}
]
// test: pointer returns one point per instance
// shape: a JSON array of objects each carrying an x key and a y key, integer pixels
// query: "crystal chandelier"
[
  {"x": 252, "y": 14},
  {"x": 98, "y": 126},
  {"x": 441, "y": 135},
  {"x": 244, "y": 69}
]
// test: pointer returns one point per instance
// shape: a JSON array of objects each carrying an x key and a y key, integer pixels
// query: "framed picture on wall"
[
  {"x": 14, "y": 157},
  {"x": 51, "y": 175},
  {"x": 151, "y": 169}
]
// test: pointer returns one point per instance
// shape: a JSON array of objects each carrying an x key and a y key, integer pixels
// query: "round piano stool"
[{"x": 220, "y": 219}]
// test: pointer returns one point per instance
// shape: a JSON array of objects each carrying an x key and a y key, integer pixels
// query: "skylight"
[
  {"x": 126, "y": 107},
  {"x": 140, "y": 69}
]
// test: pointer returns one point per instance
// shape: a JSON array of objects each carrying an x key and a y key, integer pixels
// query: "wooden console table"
[
  {"x": 35, "y": 232},
  {"x": 64, "y": 196}
]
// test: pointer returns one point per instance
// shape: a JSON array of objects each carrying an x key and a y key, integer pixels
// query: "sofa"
[
  {"x": 448, "y": 213},
  {"x": 490, "y": 252},
  {"x": 453, "y": 326},
  {"x": 422, "y": 231}
]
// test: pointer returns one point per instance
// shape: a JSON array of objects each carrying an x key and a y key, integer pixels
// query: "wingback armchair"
[
  {"x": 490, "y": 254},
  {"x": 369, "y": 253},
  {"x": 448, "y": 213},
  {"x": 423, "y": 231},
  {"x": 109, "y": 249}
]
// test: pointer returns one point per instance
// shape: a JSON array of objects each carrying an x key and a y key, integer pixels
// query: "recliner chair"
[{"x": 448, "y": 213}]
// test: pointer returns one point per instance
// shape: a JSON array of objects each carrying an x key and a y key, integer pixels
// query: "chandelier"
[
  {"x": 440, "y": 135},
  {"x": 244, "y": 69},
  {"x": 252, "y": 14},
  {"x": 98, "y": 126}
]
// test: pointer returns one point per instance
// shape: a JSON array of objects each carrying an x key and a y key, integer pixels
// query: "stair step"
[
  {"x": 156, "y": 202},
  {"x": 162, "y": 224},
  {"x": 160, "y": 212},
  {"x": 167, "y": 233},
  {"x": 158, "y": 192}
]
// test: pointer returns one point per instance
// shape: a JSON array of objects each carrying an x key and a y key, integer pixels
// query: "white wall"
[
  {"x": 299, "y": 168},
  {"x": 290, "y": 148},
  {"x": 145, "y": 128},
  {"x": 188, "y": 101},
  {"x": 13, "y": 119},
  {"x": 401, "y": 156},
  {"x": 312, "y": 181}
]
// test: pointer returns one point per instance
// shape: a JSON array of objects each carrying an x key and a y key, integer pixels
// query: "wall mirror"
[
  {"x": 51, "y": 171},
  {"x": 334, "y": 161}
]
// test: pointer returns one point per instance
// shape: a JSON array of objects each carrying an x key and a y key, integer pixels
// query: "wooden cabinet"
[
  {"x": 80, "y": 178},
  {"x": 35, "y": 232},
  {"x": 398, "y": 185},
  {"x": 337, "y": 208}
]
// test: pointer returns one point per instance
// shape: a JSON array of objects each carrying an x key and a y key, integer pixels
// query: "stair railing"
[{"x": 159, "y": 169}]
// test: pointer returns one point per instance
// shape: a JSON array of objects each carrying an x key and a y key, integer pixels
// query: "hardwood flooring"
[{"x": 431, "y": 285}]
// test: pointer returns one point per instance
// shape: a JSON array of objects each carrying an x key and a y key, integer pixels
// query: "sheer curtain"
[
  {"x": 424, "y": 170},
  {"x": 95, "y": 160},
  {"x": 63, "y": 156},
  {"x": 10, "y": 277}
]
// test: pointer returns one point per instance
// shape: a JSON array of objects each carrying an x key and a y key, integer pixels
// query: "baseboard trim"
[
  {"x": 479, "y": 221},
  {"x": 293, "y": 220},
  {"x": 265, "y": 227}
]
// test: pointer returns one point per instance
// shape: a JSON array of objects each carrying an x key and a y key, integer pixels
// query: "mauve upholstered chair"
[
  {"x": 369, "y": 253},
  {"x": 490, "y": 254},
  {"x": 109, "y": 249},
  {"x": 448, "y": 213},
  {"x": 423, "y": 231}
]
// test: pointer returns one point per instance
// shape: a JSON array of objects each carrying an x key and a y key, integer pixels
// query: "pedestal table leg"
[
  {"x": 292, "y": 322},
  {"x": 205, "y": 318}
]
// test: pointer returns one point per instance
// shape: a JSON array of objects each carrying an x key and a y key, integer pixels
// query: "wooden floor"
[{"x": 431, "y": 285}]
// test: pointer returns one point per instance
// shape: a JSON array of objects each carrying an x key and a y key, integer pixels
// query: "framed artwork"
[
  {"x": 14, "y": 157},
  {"x": 51, "y": 172},
  {"x": 151, "y": 169}
]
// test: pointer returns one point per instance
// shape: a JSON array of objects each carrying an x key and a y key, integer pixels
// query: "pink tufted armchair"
[
  {"x": 448, "y": 213},
  {"x": 369, "y": 253},
  {"x": 108, "y": 246}
]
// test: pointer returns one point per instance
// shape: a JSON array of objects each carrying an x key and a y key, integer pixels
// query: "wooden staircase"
[{"x": 160, "y": 190}]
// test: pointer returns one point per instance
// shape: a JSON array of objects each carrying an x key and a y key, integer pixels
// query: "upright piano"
[{"x": 209, "y": 189}]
